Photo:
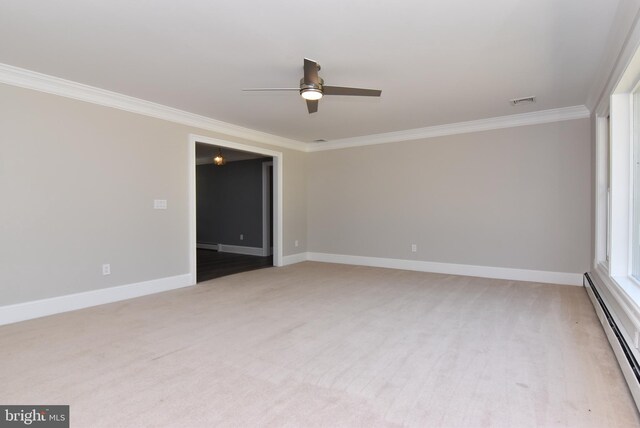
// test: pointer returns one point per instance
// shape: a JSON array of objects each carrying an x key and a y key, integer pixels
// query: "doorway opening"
[{"x": 236, "y": 220}]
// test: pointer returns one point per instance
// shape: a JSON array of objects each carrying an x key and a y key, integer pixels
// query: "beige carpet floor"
[{"x": 322, "y": 345}]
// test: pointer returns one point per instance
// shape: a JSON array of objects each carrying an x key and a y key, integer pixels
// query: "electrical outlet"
[
  {"x": 106, "y": 269},
  {"x": 414, "y": 248},
  {"x": 296, "y": 243},
  {"x": 242, "y": 237}
]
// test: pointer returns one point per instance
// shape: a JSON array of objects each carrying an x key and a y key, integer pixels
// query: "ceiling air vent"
[{"x": 525, "y": 100}]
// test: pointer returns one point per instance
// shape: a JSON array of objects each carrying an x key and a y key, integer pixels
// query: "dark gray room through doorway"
[{"x": 234, "y": 211}]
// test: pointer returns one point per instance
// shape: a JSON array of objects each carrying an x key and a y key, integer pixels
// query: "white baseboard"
[
  {"x": 207, "y": 246},
  {"x": 294, "y": 258},
  {"x": 451, "y": 268},
  {"x": 238, "y": 249},
  {"x": 55, "y": 305}
]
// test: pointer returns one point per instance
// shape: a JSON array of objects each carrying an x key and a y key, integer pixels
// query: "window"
[
  {"x": 607, "y": 173},
  {"x": 616, "y": 266},
  {"x": 635, "y": 218},
  {"x": 617, "y": 234}
]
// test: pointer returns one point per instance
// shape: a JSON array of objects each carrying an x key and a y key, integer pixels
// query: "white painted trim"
[
  {"x": 624, "y": 296},
  {"x": 295, "y": 258},
  {"x": 533, "y": 118},
  {"x": 278, "y": 213},
  {"x": 54, "y": 85},
  {"x": 192, "y": 209},
  {"x": 452, "y": 269},
  {"x": 207, "y": 246},
  {"x": 23, "y": 78},
  {"x": 239, "y": 249},
  {"x": 71, "y": 302},
  {"x": 601, "y": 191},
  {"x": 277, "y": 193},
  {"x": 236, "y": 249},
  {"x": 621, "y": 180},
  {"x": 266, "y": 214}
]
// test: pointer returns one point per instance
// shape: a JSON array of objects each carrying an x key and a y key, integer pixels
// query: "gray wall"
[
  {"x": 229, "y": 203},
  {"x": 517, "y": 198},
  {"x": 78, "y": 182}
]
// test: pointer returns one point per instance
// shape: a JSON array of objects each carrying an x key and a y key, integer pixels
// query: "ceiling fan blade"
[
  {"x": 311, "y": 71},
  {"x": 340, "y": 90},
  {"x": 270, "y": 89},
  {"x": 312, "y": 106}
]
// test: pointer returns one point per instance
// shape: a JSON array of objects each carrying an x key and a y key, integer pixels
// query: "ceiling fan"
[{"x": 312, "y": 87}]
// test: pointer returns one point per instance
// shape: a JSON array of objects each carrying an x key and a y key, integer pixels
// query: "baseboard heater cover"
[{"x": 631, "y": 359}]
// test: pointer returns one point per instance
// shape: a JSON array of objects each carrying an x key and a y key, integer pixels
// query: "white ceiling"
[{"x": 437, "y": 62}]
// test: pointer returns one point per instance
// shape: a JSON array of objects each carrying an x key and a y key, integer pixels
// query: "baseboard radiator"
[{"x": 626, "y": 359}]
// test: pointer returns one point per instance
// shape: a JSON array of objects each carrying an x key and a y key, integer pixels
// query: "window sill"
[
  {"x": 630, "y": 287},
  {"x": 625, "y": 290}
]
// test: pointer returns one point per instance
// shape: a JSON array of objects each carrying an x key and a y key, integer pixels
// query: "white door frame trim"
[
  {"x": 266, "y": 214},
  {"x": 277, "y": 194}
]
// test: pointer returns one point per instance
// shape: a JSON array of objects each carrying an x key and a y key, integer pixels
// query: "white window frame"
[
  {"x": 614, "y": 206},
  {"x": 634, "y": 251},
  {"x": 602, "y": 214},
  {"x": 621, "y": 192}
]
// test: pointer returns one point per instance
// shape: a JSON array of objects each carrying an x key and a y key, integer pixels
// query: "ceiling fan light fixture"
[
  {"x": 311, "y": 94},
  {"x": 312, "y": 87}
]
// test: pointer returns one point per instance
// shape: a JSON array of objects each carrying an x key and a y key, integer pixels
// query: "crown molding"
[
  {"x": 533, "y": 118},
  {"x": 16, "y": 76},
  {"x": 54, "y": 85}
]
